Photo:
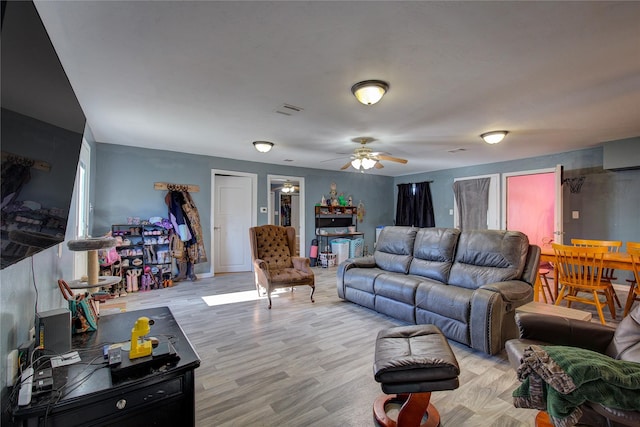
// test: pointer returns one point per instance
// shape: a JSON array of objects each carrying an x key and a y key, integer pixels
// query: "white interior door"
[{"x": 233, "y": 208}]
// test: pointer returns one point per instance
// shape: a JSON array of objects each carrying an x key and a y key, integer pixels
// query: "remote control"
[
  {"x": 115, "y": 356},
  {"x": 26, "y": 383}
]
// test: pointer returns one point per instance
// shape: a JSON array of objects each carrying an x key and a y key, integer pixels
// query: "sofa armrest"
[
  {"x": 556, "y": 330},
  {"x": 512, "y": 291},
  {"x": 261, "y": 270},
  {"x": 532, "y": 265},
  {"x": 302, "y": 264},
  {"x": 361, "y": 262},
  {"x": 492, "y": 311}
]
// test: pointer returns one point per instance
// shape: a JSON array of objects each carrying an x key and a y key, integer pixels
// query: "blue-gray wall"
[
  {"x": 608, "y": 200},
  {"x": 124, "y": 178},
  {"x": 122, "y": 186}
]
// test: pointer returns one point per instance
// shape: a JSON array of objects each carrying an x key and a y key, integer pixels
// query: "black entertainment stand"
[{"x": 153, "y": 395}]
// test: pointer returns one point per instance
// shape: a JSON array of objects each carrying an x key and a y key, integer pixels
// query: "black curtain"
[
  {"x": 415, "y": 207},
  {"x": 423, "y": 206},
  {"x": 404, "y": 206}
]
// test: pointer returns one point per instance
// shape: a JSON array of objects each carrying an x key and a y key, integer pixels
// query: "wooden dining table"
[{"x": 616, "y": 260}]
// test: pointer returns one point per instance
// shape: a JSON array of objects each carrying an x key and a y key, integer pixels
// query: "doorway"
[
  {"x": 233, "y": 212},
  {"x": 532, "y": 203},
  {"x": 287, "y": 208}
]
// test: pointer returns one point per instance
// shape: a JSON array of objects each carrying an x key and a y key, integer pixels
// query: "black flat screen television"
[{"x": 42, "y": 126}]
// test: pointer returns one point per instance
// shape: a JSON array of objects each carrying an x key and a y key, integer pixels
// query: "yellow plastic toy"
[{"x": 139, "y": 346}]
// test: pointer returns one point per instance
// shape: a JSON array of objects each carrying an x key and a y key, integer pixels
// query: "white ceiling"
[{"x": 209, "y": 77}]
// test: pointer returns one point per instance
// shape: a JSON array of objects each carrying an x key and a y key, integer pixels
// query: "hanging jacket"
[{"x": 174, "y": 201}]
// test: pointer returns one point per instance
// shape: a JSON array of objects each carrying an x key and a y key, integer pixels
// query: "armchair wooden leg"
[{"x": 313, "y": 289}]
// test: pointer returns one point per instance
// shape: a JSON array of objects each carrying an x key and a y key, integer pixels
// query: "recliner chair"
[{"x": 621, "y": 343}]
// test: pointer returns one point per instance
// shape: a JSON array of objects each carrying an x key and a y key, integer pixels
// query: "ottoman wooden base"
[
  {"x": 410, "y": 362},
  {"x": 414, "y": 407}
]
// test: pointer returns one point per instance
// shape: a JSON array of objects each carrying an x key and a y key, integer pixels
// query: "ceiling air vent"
[
  {"x": 456, "y": 150},
  {"x": 288, "y": 109}
]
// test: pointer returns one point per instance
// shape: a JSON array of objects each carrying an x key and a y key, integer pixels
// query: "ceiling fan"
[
  {"x": 364, "y": 157},
  {"x": 287, "y": 188}
]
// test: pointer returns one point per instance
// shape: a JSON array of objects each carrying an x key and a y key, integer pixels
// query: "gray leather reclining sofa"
[{"x": 467, "y": 283}]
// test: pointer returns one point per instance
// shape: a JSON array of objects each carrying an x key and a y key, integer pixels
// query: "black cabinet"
[{"x": 161, "y": 395}]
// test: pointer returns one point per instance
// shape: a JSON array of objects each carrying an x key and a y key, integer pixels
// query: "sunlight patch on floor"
[{"x": 234, "y": 297}]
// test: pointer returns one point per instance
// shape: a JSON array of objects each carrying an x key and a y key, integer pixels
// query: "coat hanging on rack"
[
  {"x": 198, "y": 253},
  {"x": 186, "y": 222}
]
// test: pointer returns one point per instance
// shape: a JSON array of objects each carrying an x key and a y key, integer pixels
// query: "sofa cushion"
[
  {"x": 488, "y": 256},
  {"x": 395, "y": 309},
  {"x": 362, "y": 298},
  {"x": 361, "y": 278},
  {"x": 448, "y": 301},
  {"x": 433, "y": 253},
  {"x": 397, "y": 286},
  {"x": 447, "y": 307},
  {"x": 394, "y": 248}
]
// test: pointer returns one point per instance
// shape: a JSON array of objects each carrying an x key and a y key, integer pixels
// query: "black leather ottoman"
[{"x": 411, "y": 362}]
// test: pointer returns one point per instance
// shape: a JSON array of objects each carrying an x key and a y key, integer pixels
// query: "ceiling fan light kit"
[
  {"x": 263, "y": 146},
  {"x": 363, "y": 158},
  {"x": 288, "y": 188},
  {"x": 369, "y": 92},
  {"x": 364, "y": 163},
  {"x": 494, "y": 136}
]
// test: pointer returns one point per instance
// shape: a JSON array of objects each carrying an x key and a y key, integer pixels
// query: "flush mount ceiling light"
[
  {"x": 494, "y": 137},
  {"x": 369, "y": 92},
  {"x": 263, "y": 146}
]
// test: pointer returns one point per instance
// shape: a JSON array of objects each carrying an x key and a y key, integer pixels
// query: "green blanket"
[{"x": 559, "y": 379}]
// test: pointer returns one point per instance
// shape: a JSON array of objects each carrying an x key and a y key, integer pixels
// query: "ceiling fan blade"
[
  {"x": 379, "y": 165},
  {"x": 391, "y": 159},
  {"x": 345, "y": 166},
  {"x": 335, "y": 158}
]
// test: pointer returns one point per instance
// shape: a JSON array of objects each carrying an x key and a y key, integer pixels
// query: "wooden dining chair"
[
  {"x": 633, "y": 249},
  {"x": 580, "y": 272},
  {"x": 544, "y": 269},
  {"x": 608, "y": 274}
]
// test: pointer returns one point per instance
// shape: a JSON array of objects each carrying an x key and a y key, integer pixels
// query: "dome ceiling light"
[
  {"x": 369, "y": 92},
  {"x": 494, "y": 137},
  {"x": 263, "y": 146}
]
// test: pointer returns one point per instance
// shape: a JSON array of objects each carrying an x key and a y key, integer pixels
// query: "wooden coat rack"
[
  {"x": 20, "y": 160},
  {"x": 167, "y": 186}
]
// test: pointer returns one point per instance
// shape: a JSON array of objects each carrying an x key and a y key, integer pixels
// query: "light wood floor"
[{"x": 304, "y": 364}]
